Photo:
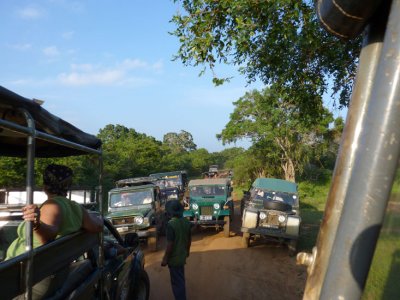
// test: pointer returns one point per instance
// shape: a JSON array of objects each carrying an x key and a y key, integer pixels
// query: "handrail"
[{"x": 47, "y": 137}]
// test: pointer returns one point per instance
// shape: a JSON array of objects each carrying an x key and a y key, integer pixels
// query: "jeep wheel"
[
  {"x": 141, "y": 289},
  {"x": 292, "y": 245},
  {"x": 277, "y": 205},
  {"x": 246, "y": 240},
  {"x": 152, "y": 240},
  {"x": 227, "y": 226}
]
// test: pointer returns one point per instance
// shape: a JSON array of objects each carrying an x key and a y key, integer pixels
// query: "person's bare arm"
[
  {"x": 91, "y": 222},
  {"x": 48, "y": 223},
  {"x": 167, "y": 254},
  {"x": 189, "y": 243}
]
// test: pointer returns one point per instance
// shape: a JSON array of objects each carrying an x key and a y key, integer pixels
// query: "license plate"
[
  {"x": 205, "y": 218},
  {"x": 122, "y": 229}
]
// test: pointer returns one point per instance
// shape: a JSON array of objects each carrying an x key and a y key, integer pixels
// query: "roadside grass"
[
  {"x": 312, "y": 204},
  {"x": 384, "y": 276}
]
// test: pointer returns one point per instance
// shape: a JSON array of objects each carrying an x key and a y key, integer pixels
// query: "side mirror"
[{"x": 131, "y": 240}]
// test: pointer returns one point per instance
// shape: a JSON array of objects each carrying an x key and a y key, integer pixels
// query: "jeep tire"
[
  {"x": 246, "y": 240},
  {"x": 227, "y": 226},
  {"x": 292, "y": 246},
  {"x": 152, "y": 239},
  {"x": 141, "y": 289},
  {"x": 277, "y": 205}
]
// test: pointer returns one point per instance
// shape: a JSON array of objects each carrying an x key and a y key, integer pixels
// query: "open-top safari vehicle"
[
  {"x": 29, "y": 131},
  {"x": 135, "y": 205},
  {"x": 271, "y": 210}
]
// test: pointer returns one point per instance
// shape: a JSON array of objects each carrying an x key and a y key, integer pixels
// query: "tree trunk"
[{"x": 288, "y": 168}]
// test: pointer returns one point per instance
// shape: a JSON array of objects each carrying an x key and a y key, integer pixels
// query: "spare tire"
[{"x": 277, "y": 205}]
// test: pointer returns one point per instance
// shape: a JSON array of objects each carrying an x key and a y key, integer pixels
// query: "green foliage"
[
  {"x": 281, "y": 137},
  {"x": 278, "y": 42},
  {"x": 13, "y": 172},
  {"x": 179, "y": 142}
]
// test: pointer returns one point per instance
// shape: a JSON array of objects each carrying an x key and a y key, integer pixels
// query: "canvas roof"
[
  {"x": 274, "y": 184},
  {"x": 210, "y": 181},
  {"x": 13, "y": 143}
]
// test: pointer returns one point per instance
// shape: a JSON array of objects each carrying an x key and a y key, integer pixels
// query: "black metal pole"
[{"x": 30, "y": 182}]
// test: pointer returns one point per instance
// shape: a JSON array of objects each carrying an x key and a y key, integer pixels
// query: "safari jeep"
[
  {"x": 271, "y": 210},
  {"x": 210, "y": 203},
  {"x": 172, "y": 184},
  {"x": 135, "y": 205}
]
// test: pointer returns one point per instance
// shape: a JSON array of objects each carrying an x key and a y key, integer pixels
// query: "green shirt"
[
  {"x": 178, "y": 232},
  {"x": 71, "y": 213}
]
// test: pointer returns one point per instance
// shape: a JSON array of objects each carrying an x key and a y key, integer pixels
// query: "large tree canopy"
[
  {"x": 277, "y": 41},
  {"x": 275, "y": 127},
  {"x": 179, "y": 142}
]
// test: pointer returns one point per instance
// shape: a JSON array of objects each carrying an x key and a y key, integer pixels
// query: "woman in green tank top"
[{"x": 56, "y": 217}]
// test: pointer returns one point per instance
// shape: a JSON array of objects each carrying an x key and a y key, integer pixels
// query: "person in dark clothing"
[{"x": 178, "y": 248}]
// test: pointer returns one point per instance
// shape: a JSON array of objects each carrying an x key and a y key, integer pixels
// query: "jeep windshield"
[
  {"x": 172, "y": 194},
  {"x": 131, "y": 198},
  {"x": 209, "y": 190},
  {"x": 169, "y": 182},
  {"x": 260, "y": 195}
]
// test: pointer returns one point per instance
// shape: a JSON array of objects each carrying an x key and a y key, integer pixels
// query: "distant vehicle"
[
  {"x": 210, "y": 203},
  {"x": 93, "y": 272},
  {"x": 213, "y": 168},
  {"x": 271, "y": 210},
  {"x": 135, "y": 205},
  {"x": 169, "y": 180}
]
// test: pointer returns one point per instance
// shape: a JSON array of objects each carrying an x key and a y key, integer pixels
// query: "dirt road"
[{"x": 219, "y": 268}]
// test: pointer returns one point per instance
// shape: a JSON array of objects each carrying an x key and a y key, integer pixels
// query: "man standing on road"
[{"x": 178, "y": 247}]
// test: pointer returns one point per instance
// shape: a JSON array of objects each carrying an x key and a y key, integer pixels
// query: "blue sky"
[{"x": 110, "y": 62}]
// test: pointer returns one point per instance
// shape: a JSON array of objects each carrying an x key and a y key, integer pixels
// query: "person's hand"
[
  {"x": 31, "y": 212},
  {"x": 164, "y": 262}
]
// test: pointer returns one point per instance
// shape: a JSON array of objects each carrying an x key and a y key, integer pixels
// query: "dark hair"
[
  {"x": 57, "y": 179},
  {"x": 174, "y": 208}
]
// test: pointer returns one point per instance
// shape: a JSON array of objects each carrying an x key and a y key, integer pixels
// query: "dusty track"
[{"x": 219, "y": 268}]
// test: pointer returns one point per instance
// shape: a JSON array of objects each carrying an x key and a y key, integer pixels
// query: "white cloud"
[
  {"x": 30, "y": 13},
  {"x": 21, "y": 47},
  {"x": 106, "y": 77},
  {"x": 68, "y": 35},
  {"x": 51, "y": 51},
  {"x": 121, "y": 74},
  {"x": 129, "y": 64}
]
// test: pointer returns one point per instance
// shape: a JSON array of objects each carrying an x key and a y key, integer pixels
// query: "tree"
[
  {"x": 276, "y": 129},
  {"x": 278, "y": 42},
  {"x": 128, "y": 153},
  {"x": 179, "y": 142}
]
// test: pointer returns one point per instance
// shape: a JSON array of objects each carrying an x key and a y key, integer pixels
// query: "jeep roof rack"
[{"x": 134, "y": 181}]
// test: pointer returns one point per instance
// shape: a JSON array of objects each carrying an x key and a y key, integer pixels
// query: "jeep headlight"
[
  {"x": 263, "y": 215},
  {"x": 216, "y": 206},
  {"x": 195, "y": 206},
  {"x": 139, "y": 220},
  {"x": 281, "y": 218}
]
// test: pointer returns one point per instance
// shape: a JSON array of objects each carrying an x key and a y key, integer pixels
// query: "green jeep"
[
  {"x": 210, "y": 203},
  {"x": 271, "y": 210},
  {"x": 135, "y": 205}
]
